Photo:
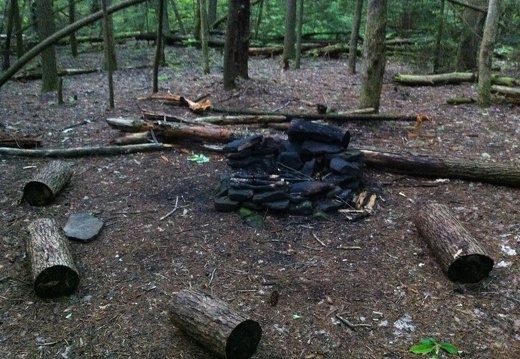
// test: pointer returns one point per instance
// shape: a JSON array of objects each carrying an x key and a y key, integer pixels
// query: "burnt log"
[
  {"x": 47, "y": 183},
  {"x": 301, "y": 130},
  {"x": 426, "y": 166},
  {"x": 459, "y": 254},
  {"x": 211, "y": 323},
  {"x": 52, "y": 266}
]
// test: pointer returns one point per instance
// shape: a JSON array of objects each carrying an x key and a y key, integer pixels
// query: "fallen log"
[
  {"x": 84, "y": 151},
  {"x": 52, "y": 266},
  {"x": 316, "y": 116},
  {"x": 453, "y": 78},
  {"x": 199, "y": 106},
  {"x": 426, "y": 166},
  {"x": 19, "y": 141},
  {"x": 434, "y": 80},
  {"x": 211, "y": 323},
  {"x": 241, "y": 120},
  {"x": 506, "y": 91},
  {"x": 47, "y": 183},
  {"x": 460, "y": 255}
]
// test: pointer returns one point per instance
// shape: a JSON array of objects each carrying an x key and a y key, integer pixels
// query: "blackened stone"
[
  {"x": 254, "y": 163},
  {"x": 253, "y": 206},
  {"x": 301, "y": 209},
  {"x": 354, "y": 184},
  {"x": 280, "y": 205},
  {"x": 353, "y": 156},
  {"x": 270, "y": 196},
  {"x": 240, "y": 195},
  {"x": 223, "y": 187},
  {"x": 297, "y": 198},
  {"x": 346, "y": 195},
  {"x": 310, "y": 188},
  {"x": 270, "y": 145},
  {"x": 315, "y": 148},
  {"x": 242, "y": 144},
  {"x": 329, "y": 205},
  {"x": 290, "y": 159},
  {"x": 301, "y": 130},
  {"x": 239, "y": 155},
  {"x": 340, "y": 165},
  {"x": 309, "y": 167},
  {"x": 341, "y": 180},
  {"x": 224, "y": 204},
  {"x": 334, "y": 192}
]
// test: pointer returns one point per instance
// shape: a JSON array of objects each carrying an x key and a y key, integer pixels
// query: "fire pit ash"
[{"x": 312, "y": 170}]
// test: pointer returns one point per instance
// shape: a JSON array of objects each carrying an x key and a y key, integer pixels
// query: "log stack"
[{"x": 311, "y": 170}]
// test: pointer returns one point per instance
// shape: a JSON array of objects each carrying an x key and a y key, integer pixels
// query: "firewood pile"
[{"x": 312, "y": 170}]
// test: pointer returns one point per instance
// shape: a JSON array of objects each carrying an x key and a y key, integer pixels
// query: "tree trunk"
[
  {"x": 46, "y": 29},
  {"x": 110, "y": 63},
  {"x": 72, "y": 36},
  {"x": 299, "y": 29},
  {"x": 354, "y": 37},
  {"x": 373, "y": 67},
  {"x": 438, "y": 39},
  {"x": 182, "y": 29},
  {"x": 214, "y": 325},
  {"x": 459, "y": 254},
  {"x": 237, "y": 42},
  {"x": 425, "y": 166},
  {"x": 212, "y": 11},
  {"x": 47, "y": 183},
  {"x": 159, "y": 48},
  {"x": 486, "y": 53},
  {"x": 289, "y": 39},
  {"x": 53, "y": 269},
  {"x": 204, "y": 34},
  {"x": 470, "y": 38}
]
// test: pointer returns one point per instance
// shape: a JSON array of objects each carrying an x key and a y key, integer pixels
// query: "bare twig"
[
  {"x": 352, "y": 326},
  {"x": 318, "y": 240},
  {"x": 173, "y": 210}
]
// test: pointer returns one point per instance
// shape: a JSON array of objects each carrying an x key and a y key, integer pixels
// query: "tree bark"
[
  {"x": 237, "y": 42},
  {"x": 425, "y": 166},
  {"x": 374, "y": 59},
  {"x": 486, "y": 54},
  {"x": 159, "y": 47},
  {"x": 204, "y": 34},
  {"x": 468, "y": 45},
  {"x": 459, "y": 254},
  {"x": 354, "y": 37},
  {"x": 46, "y": 28},
  {"x": 289, "y": 39},
  {"x": 214, "y": 325},
  {"x": 47, "y": 183},
  {"x": 53, "y": 269}
]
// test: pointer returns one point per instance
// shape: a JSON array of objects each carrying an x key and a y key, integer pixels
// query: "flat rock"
[{"x": 83, "y": 227}]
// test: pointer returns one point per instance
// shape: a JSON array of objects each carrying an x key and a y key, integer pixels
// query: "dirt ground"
[{"x": 391, "y": 288}]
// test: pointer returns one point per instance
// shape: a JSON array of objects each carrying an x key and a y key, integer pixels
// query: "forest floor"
[{"x": 392, "y": 284}]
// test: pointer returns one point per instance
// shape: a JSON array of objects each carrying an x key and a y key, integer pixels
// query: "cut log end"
[
  {"x": 470, "y": 269},
  {"x": 56, "y": 281},
  {"x": 243, "y": 340},
  {"x": 37, "y": 194}
]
